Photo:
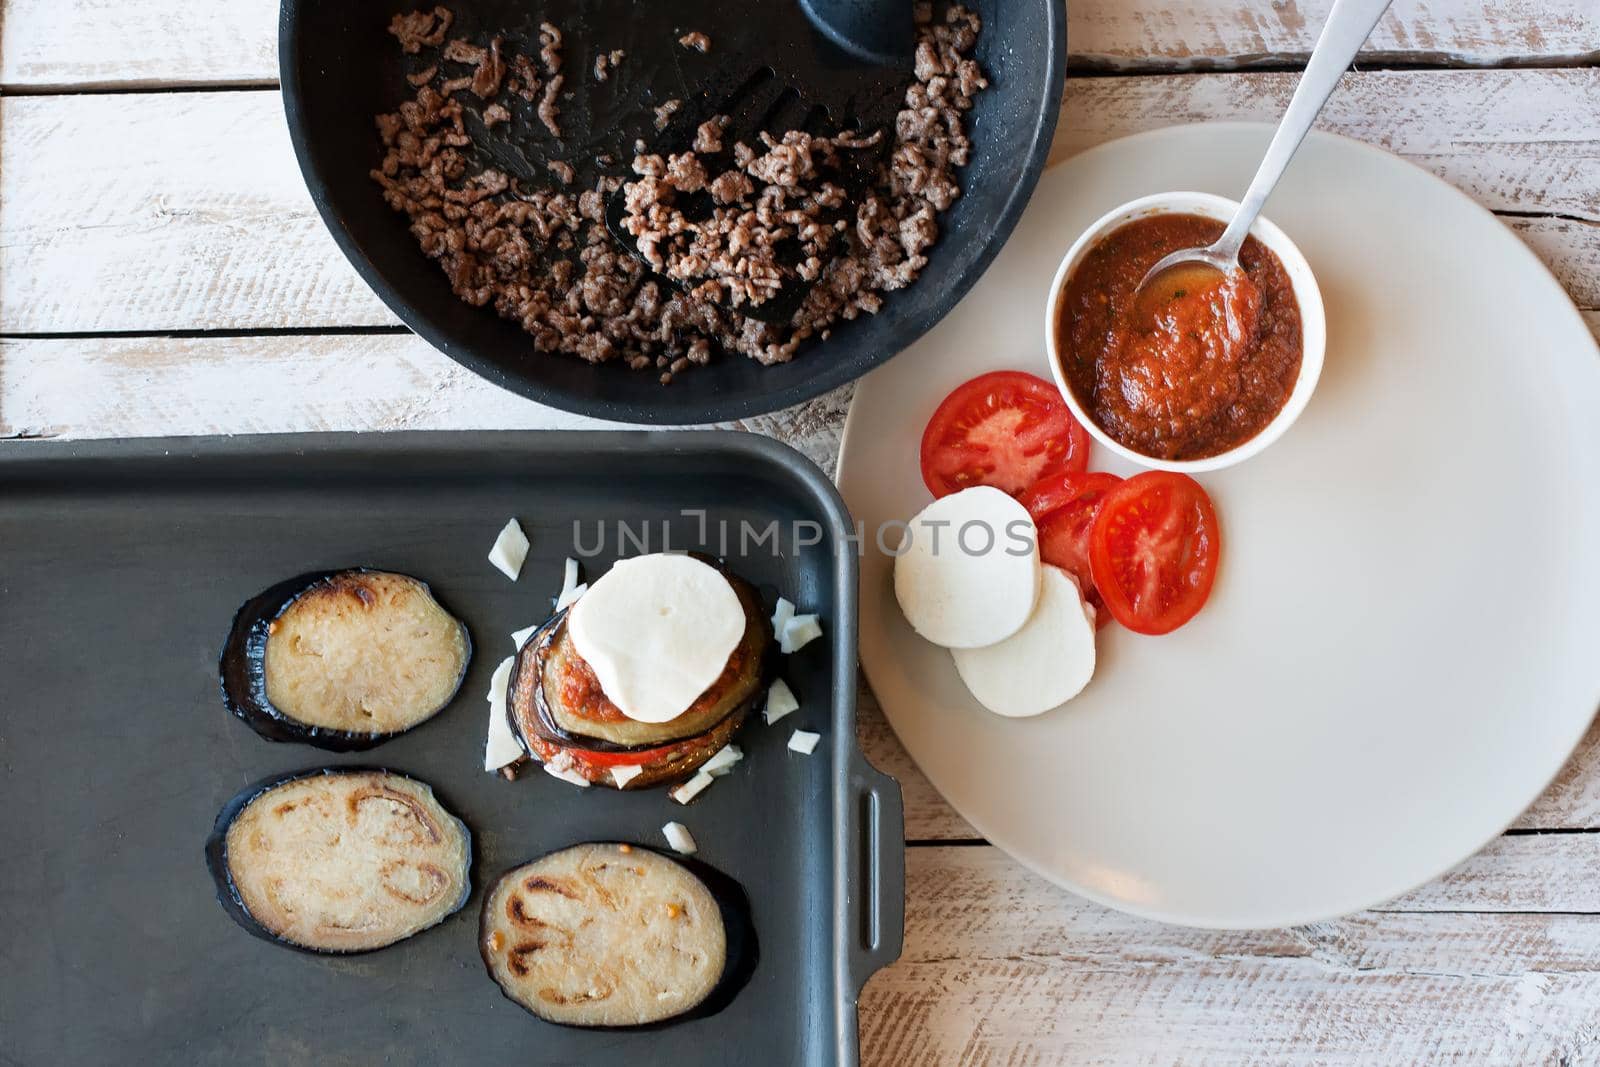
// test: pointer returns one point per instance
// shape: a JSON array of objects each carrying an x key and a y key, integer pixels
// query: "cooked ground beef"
[
  {"x": 708, "y": 135},
  {"x": 525, "y": 82},
  {"x": 549, "y": 113},
  {"x": 606, "y": 62},
  {"x": 544, "y": 259},
  {"x": 733, "y": 255},
  {"x": 696, "y": 40},
  {"x": 550, "y": 48},
  {"x": 490, "y": 73},
  {"x": 421, "y": 29},
  {"x": 665, "y": 112}
]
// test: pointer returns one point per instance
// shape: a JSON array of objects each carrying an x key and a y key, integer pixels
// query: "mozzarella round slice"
[
  {"x": 1044, "y": 664},
  {"x": 657, "y": 630},
  {"x": 968, "y": 570}
]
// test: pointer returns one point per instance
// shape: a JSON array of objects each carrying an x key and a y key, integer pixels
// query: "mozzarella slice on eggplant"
[
  {"x": 1044, "y": 664},
  {"x": 968, "y": 570},
  {"x": 657, "y": 631}
]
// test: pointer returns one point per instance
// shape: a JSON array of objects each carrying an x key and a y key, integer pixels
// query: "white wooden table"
[{"x": 162, "y": 271}]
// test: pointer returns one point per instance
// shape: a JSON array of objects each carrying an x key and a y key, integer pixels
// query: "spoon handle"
[{"x": 1348, "y": 26}]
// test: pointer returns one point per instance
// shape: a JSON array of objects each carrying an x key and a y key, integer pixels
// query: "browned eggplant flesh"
[
  {"x": 340, "y": 860},
  {"x": 343, "y": 660},
  {"x": 604, "y": 935}
]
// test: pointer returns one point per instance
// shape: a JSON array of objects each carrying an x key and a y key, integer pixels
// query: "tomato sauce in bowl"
[{"x": 1211, "y": 371}]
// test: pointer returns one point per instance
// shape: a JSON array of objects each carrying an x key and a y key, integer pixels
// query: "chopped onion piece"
[
  {"x": 627, "y": 772},
  {"x": 800, "y": 632},
  {"x": 692, "y": 788},
  {"x": 510, "y": 550},
  {"x": 781, "y": 616},
  {"x": 679, "y": 838},
  {"x": 502, "y": 747},
  {"x": 566, "y": 774},
  {"x": 520, "y": 638},
  {"x": 566, "y": 600},
  {"x": 570, "y": 589},
  {"x": 723, "y": 761},
  {"x": 780, "y": 701},
  {"x": 804, "y": 742}
]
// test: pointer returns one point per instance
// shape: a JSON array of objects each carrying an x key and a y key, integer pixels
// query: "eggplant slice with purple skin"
[
  {"x": 559, "y": 712},
  {"x": 343, "y": 660},
  {"x": 339, "y": 860},
  {"x": 617, "y": 936}
]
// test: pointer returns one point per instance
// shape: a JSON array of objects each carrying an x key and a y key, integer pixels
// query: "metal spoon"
[{"x": 1349, "y": 23}]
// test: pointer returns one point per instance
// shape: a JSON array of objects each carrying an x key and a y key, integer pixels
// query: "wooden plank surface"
[
  {"x": 205, "y": 223},
  {"x": 996, "y": 971},
  {"x": 1522, "y": 141},
  {"x": 55, "y": 44},
  {"x": 79, "y": 387}
]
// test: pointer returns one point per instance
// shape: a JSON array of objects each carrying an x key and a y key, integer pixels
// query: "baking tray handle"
[{"x": 878, "y": 910}]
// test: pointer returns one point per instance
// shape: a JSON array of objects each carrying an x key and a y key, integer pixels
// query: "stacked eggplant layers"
[{"x": 564, "y": 719}]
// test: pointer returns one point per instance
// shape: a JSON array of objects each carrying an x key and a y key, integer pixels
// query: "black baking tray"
[
  {"x": 121, "y": 566},
  {"x": 339, "y": 68}
]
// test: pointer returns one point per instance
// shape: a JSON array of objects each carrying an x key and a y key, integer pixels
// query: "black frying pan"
[{"x": 340, "y": 68}]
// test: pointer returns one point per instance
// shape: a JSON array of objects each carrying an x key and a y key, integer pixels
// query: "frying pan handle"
[
  {"x": 878, "y": 31},
  {"x": 877, "y": 909}
]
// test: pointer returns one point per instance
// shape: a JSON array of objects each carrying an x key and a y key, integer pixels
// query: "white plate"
[{"x": 1403, "y": 645}]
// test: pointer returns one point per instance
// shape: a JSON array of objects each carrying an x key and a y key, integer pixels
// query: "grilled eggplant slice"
[
  {"x": 343, "y": 660},
  {"x": 615, "y": 935},
  {"x": 671, "y": 762},
  {"x": 556, "y": 705},
  {"x": 578, "y": 708},
  {"x": 339, "y": 860}
]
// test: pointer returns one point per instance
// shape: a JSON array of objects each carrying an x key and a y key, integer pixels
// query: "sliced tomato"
[
  {"x": 592, "y": 764},
  {"x": 1064, "y": 507},
  {"x": 1153, "y": 551},
  {"x": 1007, "y": 429}
]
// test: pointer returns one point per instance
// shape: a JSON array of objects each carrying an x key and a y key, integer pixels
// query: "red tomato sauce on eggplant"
[
  {"x": 1210, "y": 372},
  {"x": 583, "y": 697},
  {"x": 581, "y": 694},
  {"x": 593, "y": 765}
]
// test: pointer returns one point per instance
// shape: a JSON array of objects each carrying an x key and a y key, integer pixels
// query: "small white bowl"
[{"x": 1313, "y": 322}]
